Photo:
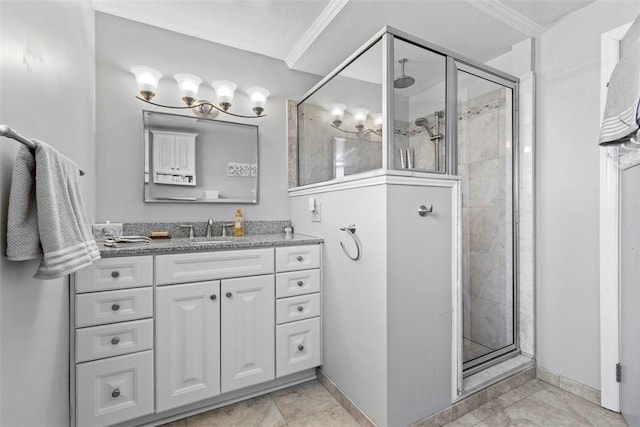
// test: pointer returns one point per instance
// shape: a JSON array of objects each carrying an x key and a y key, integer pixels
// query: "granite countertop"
[{"x": 201, "y": 244}]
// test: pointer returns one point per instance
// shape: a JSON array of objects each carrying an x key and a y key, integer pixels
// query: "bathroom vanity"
[{"x": 187, "y": 325}]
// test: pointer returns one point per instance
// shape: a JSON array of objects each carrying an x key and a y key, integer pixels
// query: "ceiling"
[{"x": 317, "y": 35}]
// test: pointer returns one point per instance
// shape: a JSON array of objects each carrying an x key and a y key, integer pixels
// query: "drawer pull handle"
[
  {"x": 300, "y": 283},
  {"x": 299, "y": 258},
  {"x": 300, "y": 308},
  {"x": 115, "y": 274},
  {"x": 115, "y": 340},
  {"x": 213, "y": 297},
  {"x": 115, "y": 307},
  {"x": 115, "y": 393},
  {"x": 229, "y": 294},
  {"x": 300, "y": 347}
]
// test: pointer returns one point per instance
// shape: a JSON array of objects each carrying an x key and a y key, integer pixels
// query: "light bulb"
[
  {"x": 188, "y": 85},
  {"x": 377, "y": 120},
  {"x": 359, "y": 117},
  {"x": 224, "y": 91},
  {"x": 258, "y": 97},
  {"x": 337, "y": 113},
  {"x": 147, "y": 79}
]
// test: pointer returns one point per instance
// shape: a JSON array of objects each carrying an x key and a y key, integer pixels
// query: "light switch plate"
[
  {"x": 315, "y": 215},
  {"x": 103, "y": 229}
]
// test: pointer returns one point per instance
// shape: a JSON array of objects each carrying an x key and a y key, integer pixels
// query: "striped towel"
[
  {"x": 622, "y": 110},
  {"x": 46, "y": 215}
]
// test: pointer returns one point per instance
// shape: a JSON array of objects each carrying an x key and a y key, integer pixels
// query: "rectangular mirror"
[{"x": 189, "y": 159}]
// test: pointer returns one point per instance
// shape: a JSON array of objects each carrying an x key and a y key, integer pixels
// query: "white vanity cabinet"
[
  {"x": 187, "y": 343},
  {"x": 247, "y": 331},
  {"x": 112, "y": 341},
  {"x": 298, "y": 308},
  {"x": 154, "y": 336}
]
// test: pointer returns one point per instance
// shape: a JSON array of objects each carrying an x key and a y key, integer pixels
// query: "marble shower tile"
[
  {"x": 483, "y": 137},
  {"x": 259, "y": 411},
  {"x": 485, "y": 184},
  {"x": 487, "y": 231},
  {"x": 303, "y": 400},
  {"x": 488, "y": 277},
  {"x": 488, "y": 323},
  {"x": 463, "y": 143}
]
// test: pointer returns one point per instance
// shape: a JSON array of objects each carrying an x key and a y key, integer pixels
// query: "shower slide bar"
[{"x": 7, "y": 132}]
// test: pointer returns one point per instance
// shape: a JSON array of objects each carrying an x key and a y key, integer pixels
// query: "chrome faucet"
[
  {"x": 209, "y": 232},
  {"x": 224, "y": 229}
]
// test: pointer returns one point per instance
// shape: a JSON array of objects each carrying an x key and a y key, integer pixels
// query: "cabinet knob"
[
  {"x": 229, "y": 294},
  {"x": 115, "y": 393},
  {"x": 300, "y": 283},
  {"x": 115, "y": 340},
  {"x": 300, "y": 308},
  {"x": 115, "y": 274},
  {"x": 115, "y": 307},
  {"x": 300, "y": 347},
  {"x": 299, "y": 258},
  {"x": 213, "y": 297}
]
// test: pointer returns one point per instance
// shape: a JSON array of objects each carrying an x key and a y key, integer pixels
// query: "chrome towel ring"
[{"x": 351, "y": 231}]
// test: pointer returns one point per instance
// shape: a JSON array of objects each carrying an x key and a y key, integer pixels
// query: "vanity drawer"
[
  {"x": 297, "y": 283},
  {"x": 114, "y": 390},
  {"x": 298, "y": 346},
  {"x": 98, "y": 308},
  {"x": 98, "y": 342},
  {"x": 115, "y": 273},
  {"x": 197, "y": 267},
  {"x": 297, "y": 308},
  {"x": 297, "y": 257}
]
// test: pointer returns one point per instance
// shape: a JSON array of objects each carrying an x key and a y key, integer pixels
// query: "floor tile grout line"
[{"x": 509, "y": 405}]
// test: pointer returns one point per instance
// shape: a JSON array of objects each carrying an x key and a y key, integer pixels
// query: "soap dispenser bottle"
[{"x": 238, "y": 226}]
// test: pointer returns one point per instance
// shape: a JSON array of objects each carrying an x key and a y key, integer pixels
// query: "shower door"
[{"x": 485, "y": 161}]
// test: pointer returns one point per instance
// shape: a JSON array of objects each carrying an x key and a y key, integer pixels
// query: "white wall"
[
  {"x": 567, "y": 177},
  {"x": 47, "y": 76},
  {"x": 120, "y": 44}
]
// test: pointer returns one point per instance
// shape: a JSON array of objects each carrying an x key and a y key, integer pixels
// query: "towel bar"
[{"x": 6, "y": 131}]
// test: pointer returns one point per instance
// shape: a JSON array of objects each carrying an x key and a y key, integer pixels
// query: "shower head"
[
  {"x": 403, "y": 81},
  {"x": 421, "y": 121}
]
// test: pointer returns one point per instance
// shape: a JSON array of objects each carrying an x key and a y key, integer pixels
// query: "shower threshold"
[{"x": 513, "y": 364}]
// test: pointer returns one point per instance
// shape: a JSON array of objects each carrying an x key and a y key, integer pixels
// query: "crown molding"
[
  {"x": 322, "y": 21},
  {"x": 509, "y": 16}
]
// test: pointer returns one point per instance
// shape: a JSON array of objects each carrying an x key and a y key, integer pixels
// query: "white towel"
[
  {"x": 622, "y": 110},
  {"x": 53, "y": 224}
]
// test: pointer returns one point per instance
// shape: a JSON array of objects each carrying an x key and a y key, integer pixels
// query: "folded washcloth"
[
  {"x": 622, "y": 111},
  {"x": 126, "y": 241},
  {"x": 46, "y": 214}
]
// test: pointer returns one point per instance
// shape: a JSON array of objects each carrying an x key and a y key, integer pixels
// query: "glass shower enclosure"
[{"x": 402, "y": 106}]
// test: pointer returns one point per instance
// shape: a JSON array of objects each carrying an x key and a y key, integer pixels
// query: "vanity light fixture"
[
  {"x": 360, "y": 116},
  {"x": 148, "y": 79}
]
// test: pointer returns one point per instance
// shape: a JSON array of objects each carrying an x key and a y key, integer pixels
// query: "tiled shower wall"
[{"x": 484, "y": 162}]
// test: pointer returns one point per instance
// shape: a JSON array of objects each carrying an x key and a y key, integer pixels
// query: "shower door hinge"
[{"x": 618, "y": 372}]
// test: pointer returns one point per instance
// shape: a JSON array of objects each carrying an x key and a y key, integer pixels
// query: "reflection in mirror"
[
  {"x": 419, "y": 103},
  {"x": 340, "y": 125},
  {"x": 189, "y": 159}
]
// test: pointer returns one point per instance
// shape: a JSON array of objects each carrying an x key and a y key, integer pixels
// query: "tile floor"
[{"x": 309, "y": 404}]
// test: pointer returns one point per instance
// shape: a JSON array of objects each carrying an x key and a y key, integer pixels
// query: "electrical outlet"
[{"x": 315, "y": 215}]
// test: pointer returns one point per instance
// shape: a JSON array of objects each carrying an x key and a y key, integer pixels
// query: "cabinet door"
[
  {"x": 248, "y": 331},
  {"x": 187, "y": 343},
  {"x": 185, "y": 154},
  {"x": 163, "y": 152}
]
